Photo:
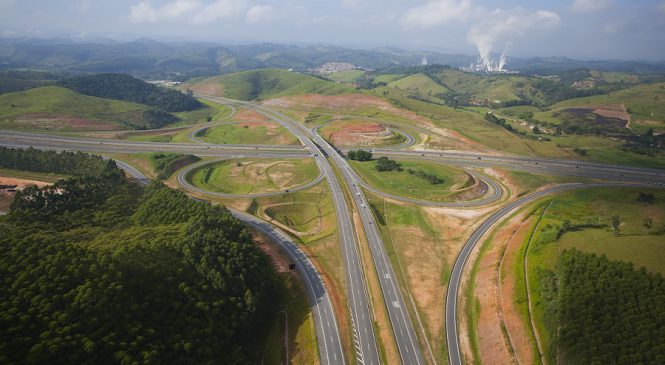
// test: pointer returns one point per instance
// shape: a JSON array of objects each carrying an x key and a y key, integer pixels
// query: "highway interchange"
[{"x": 330, "y": 161}]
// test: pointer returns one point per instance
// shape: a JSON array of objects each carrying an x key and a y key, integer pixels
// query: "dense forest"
[
  {"x": 128, "y": 88},
  {"x": 66, "y": 163},
  {"x": 609, "y": 313},
  {"x": 96, "y": 270}
]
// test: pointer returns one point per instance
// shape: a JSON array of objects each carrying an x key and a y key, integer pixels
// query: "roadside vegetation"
[
  {"x": 128, "y": 275},
  {"x": 619, "y": 233}
]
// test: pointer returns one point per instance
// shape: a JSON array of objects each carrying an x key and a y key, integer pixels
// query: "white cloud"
[
  {"x": 437, "y": 12},
  {"x": 192, "y": 11},
  {"x": 259, "y": 13},
  {"x": 144, "y": 12},
  {"x": 587, "y": 6},
  {"x": 220, "y": 10}
]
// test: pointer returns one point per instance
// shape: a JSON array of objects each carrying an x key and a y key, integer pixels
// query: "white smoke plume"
[{"x": 500, "y": 27}]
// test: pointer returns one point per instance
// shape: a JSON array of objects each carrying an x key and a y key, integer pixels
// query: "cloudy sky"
[{"x": 583, "y": 29}]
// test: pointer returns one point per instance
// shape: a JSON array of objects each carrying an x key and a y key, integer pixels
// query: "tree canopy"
[
  {"x": 128, "y": 88},
  {"x": 97, "y": 270}
]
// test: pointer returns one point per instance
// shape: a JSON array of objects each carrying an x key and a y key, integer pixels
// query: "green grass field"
[
  {"x": 404, "y": 184},
  {"x": 249, "y": 133},
  {"x": 247, "y": 176},
  {"x": 589, "y": 213},
  {"x": 270, "y": 83}
]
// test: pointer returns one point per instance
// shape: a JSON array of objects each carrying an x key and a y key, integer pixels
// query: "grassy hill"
[
  {"x": 644, "y": 103},
  {"x": 54, "y": 107},
  {"x": 421, "y": 85},
  {"x": 266, "y": 83}
]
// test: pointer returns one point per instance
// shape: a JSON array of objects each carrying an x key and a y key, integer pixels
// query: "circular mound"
[
  {"x": 254, "y": 176},
  {"x": 248, "y": 133},
  {"x": 421, "y": 180},
  {"x": 360, "y": 133}
]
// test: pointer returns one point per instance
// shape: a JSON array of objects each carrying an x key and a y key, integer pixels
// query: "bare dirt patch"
[
  {"x": 357, "y": 133},
  {"x": 244, "y": 115},
  {"x": 494, "y": 346},
  {"x": 516, "y": 327},
  {"x": 208, "y": 87},
  {"x": 8, "y": 188},
  {"x": 613, "y": 116},
  {"x": 277, "y": 258}
]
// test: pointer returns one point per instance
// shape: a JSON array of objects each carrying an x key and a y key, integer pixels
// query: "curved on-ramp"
[{"x": 452, "y": 336}]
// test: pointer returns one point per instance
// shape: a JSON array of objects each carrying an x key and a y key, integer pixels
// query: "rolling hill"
[
  {"x": 420, "y": 84},
  {"x": 644, "y": 103},
  {"x": 266, "y": 83},
  {"x": 58, "y": 108}
]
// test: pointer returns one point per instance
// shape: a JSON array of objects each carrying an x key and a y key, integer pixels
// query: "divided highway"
[
  {"x": 404, "y": 333},
  {"x": 362, "y": 321}
]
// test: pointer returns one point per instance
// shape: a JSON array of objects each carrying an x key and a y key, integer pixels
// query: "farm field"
[{"x": 245, "y": 176}]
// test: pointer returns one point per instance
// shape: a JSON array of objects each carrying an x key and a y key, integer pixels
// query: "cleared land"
[
  {"x": 247, "y": 176},
  {"x": 403, "y": 183},
  {"x": 363, "y": 133}
]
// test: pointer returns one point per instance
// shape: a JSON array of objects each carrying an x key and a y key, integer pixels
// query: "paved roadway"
[
  {"x": 452, "y": 336},
  {"x": 183, "y": 174},
  {"x": 403, "y": 331},
  {"x": 364, "y": 340},
  {"x": 327, "y": 332}
]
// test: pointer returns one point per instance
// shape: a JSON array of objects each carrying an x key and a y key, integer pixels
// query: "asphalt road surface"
[
  {"x": 364, "y": 340},
  {"x": 403, "y": 331}
]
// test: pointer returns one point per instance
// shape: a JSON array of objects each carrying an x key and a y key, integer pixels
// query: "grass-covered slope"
[
  {"x": 54, "y": 107},
  {"x": 420, "y": 85},
  {"x": 644, "y": 103},
  {"x": 266, "y": 83},
  {"x": 97, "y": 270}
]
